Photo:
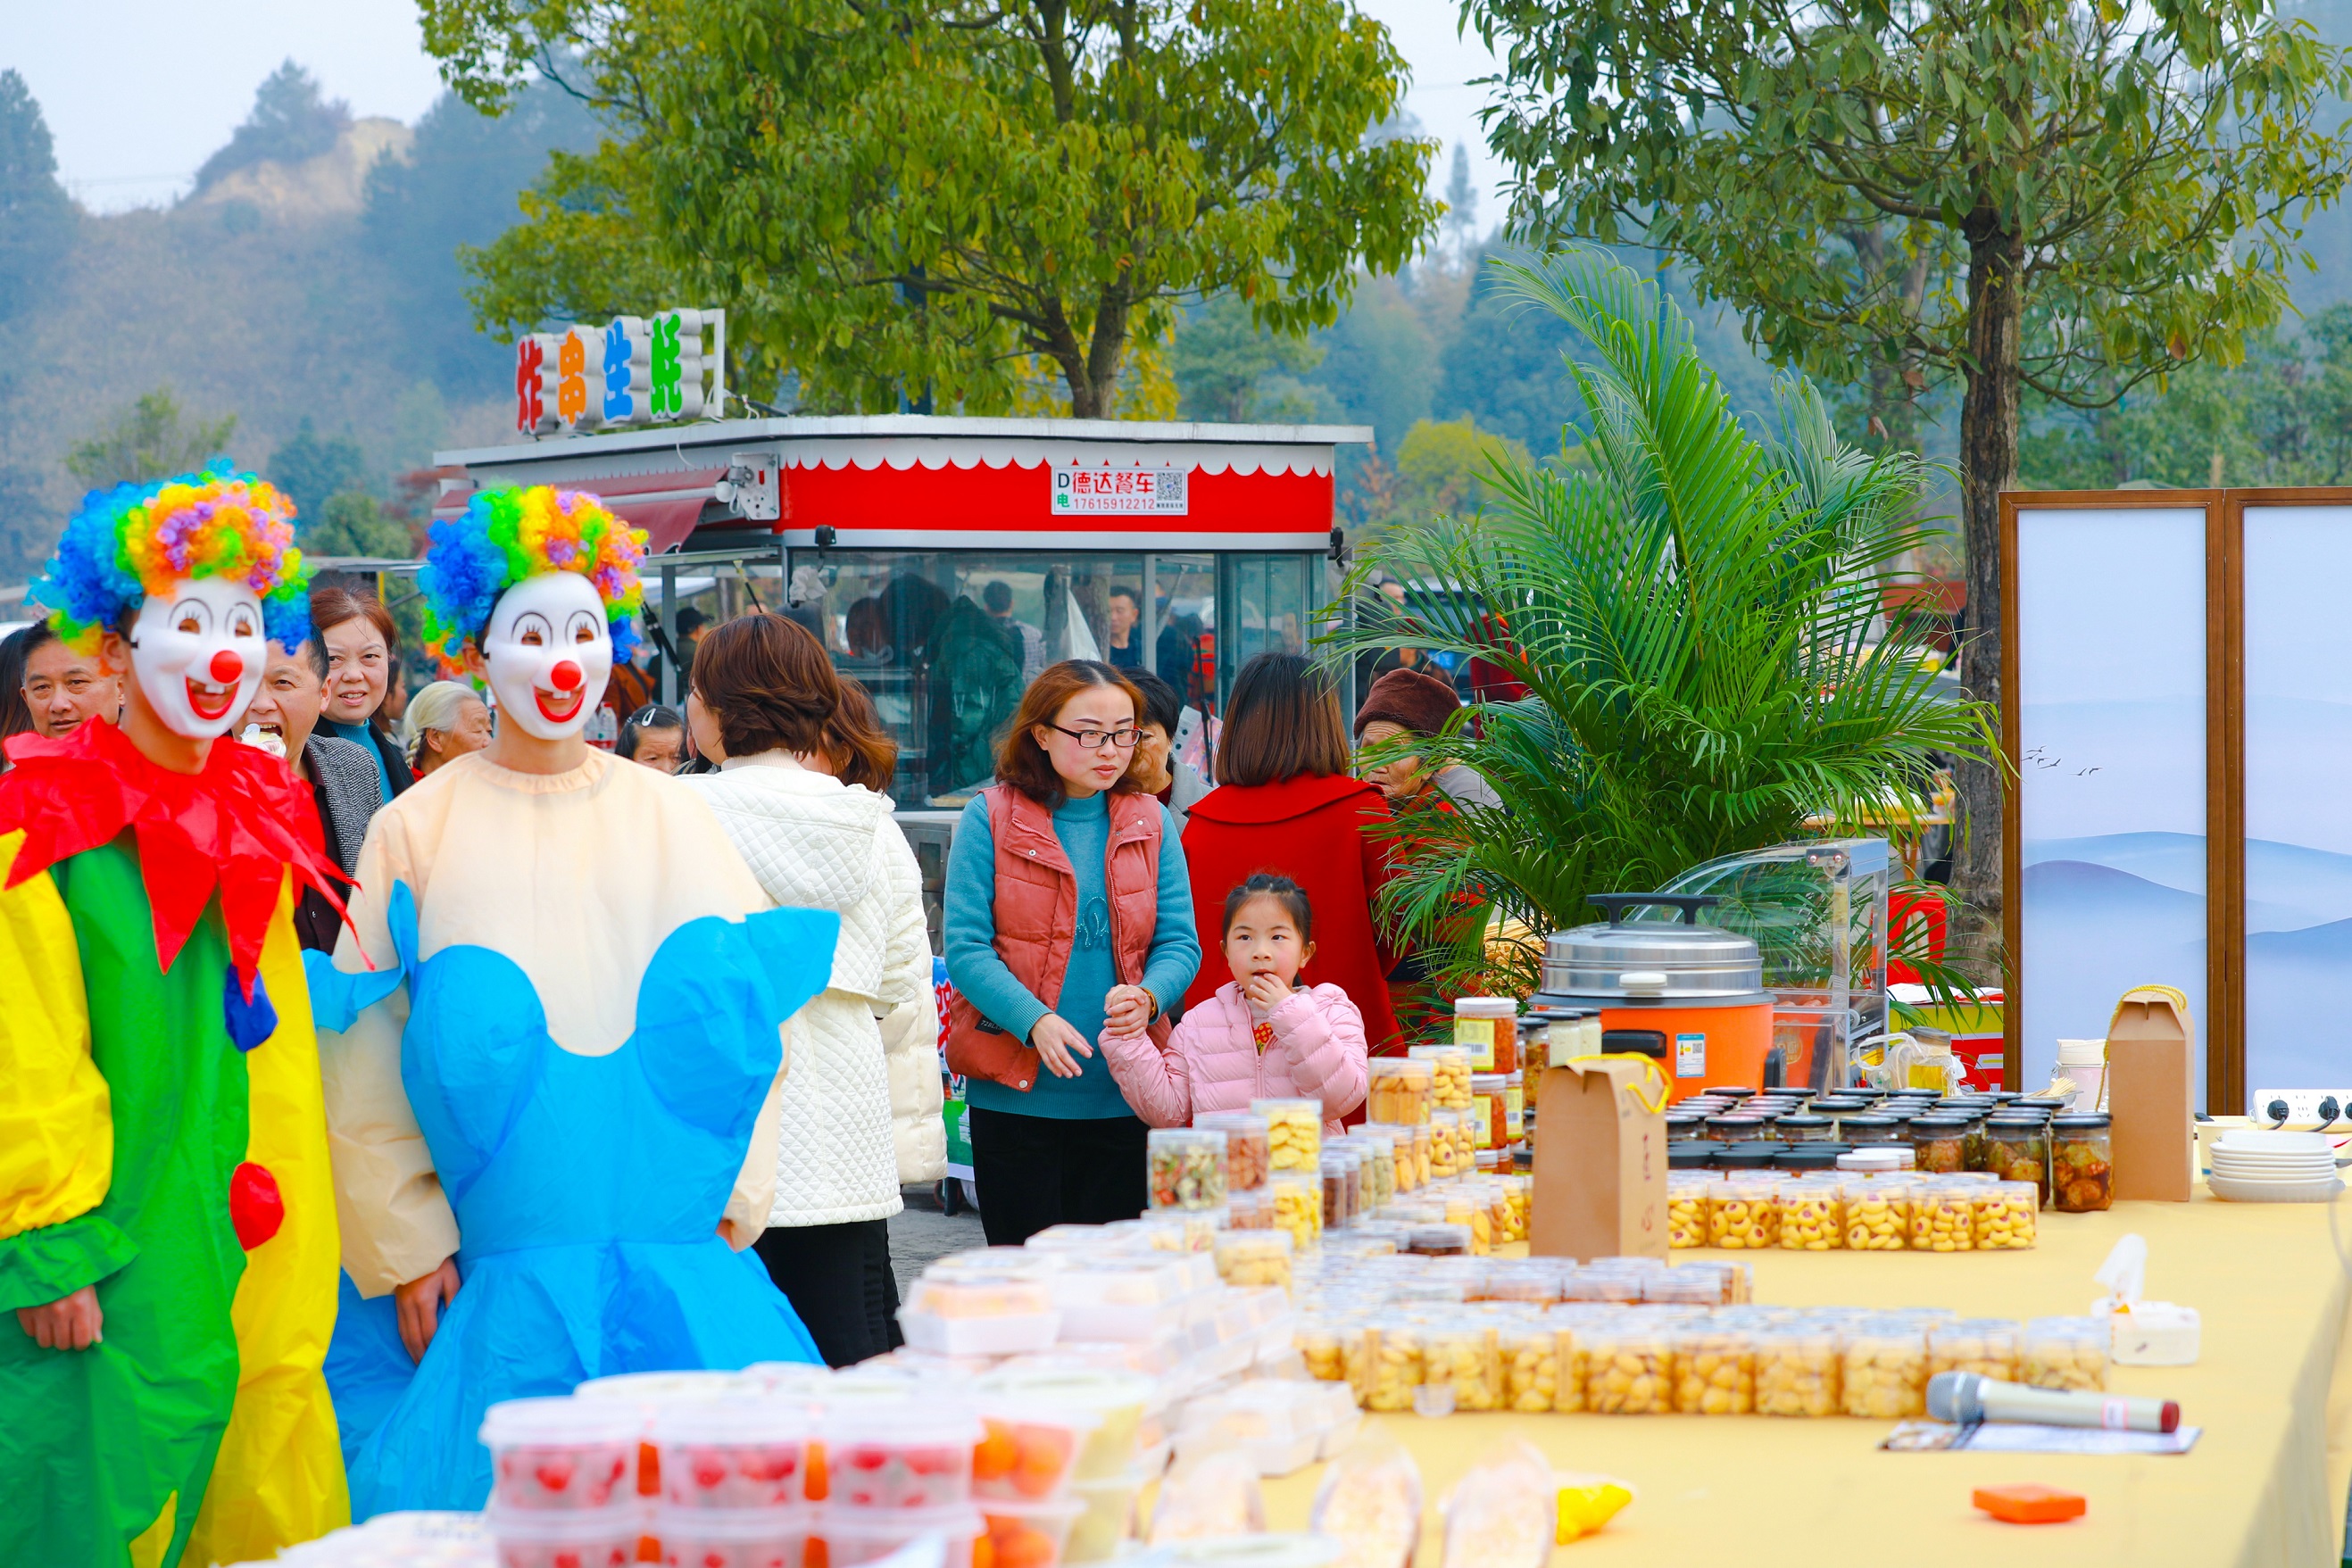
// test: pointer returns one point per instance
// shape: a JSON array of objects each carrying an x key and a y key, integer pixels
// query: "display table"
[{"x": 2263, "y": 1488}]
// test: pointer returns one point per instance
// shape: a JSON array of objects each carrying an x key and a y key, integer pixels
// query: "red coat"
[{"x": 1311, "y": 831}]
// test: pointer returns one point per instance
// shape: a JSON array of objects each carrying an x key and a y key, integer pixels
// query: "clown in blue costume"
[{"x": 551, "y": 1042}]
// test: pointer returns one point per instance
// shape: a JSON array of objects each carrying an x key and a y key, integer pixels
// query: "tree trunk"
[{"x": 1988, "y": 466}]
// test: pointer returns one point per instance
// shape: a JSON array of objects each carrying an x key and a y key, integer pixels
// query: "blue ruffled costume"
[{"x": 587, "y": 1189}]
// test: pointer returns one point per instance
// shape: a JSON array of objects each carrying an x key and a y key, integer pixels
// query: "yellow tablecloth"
[{"x": 2263, "y": 1488}]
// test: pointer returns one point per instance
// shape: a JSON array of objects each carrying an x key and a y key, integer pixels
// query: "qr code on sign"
[{"x": 1167, "y": 494}]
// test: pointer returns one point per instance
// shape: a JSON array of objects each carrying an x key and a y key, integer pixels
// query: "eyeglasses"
[{"x": 1096, "y": 740}]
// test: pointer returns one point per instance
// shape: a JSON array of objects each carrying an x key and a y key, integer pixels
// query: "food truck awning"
[{"x": 901, "y": 481}]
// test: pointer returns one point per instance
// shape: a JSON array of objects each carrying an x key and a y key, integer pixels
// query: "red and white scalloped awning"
[{"x": 904, "y": 482}]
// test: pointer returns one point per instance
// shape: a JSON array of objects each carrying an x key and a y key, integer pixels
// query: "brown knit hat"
[{"x": 1421, "y": 703}]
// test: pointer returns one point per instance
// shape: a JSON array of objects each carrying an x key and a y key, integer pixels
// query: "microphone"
[{"x": 1967, "y": 1398}]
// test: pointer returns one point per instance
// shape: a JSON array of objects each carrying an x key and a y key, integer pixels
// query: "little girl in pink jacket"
[{"x": 1261, "y": 1036}]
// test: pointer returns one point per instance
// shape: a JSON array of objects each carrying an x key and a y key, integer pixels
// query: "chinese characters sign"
[
  {"x": 1079, "y": 492},
  {"x": 636, "y": 370}
]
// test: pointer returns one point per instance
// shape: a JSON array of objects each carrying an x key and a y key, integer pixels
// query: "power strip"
[{"x": 2302, "y": 1106}]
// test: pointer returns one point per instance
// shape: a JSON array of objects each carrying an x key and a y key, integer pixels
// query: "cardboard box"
[
  {"x": 1600, "y": 1182},
  {"x": 2152, "y": 1093}
]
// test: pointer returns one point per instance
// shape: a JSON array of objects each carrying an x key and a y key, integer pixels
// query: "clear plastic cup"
[
  {"x": 733, "y": 1453},
  {"x": 562, "y": 1453},
  {"x": 732, "y": 1538},
  {"x": 910, "y": 1455}
]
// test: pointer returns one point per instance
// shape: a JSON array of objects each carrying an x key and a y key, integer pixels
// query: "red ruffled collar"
[{"x": 235, "y": 827}]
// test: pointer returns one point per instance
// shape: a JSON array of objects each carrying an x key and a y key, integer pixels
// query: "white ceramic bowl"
[{"x": 2275, "y": 1192}]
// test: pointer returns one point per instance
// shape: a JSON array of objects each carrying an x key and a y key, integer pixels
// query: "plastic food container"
[
  {"x": 1629, "y": 1370},
  {"x": 1813, "y": 1215},
  {"x": 1400, "y": 1090},
  {"x": 1115, "y": 1400},
  {"x": 911, "y": 1454},
  {"x": 566, "y": 1537},
  {"x": 1255, "y": 1258},
  {"x": 1943, "y": 1216},
  {"x": 1487, "y": 1096},
  {"x": 1444, "y": 1163},
  {"x": 1449, "y": 1067},
  {"x": 1990, "y": 1347},
  {"x": 2005, "y": 1215},
  {"x": 1742, "y": 1215},
  {"x": 1027, "y": 1536},
  {"x": 733, "y": 1453},
  {"x": 1797, "y": 1370},
  {"x": 730, "y": 1538},
  {"x": 1877, "y": 1214},
  {"x": 2082, "y": 1163},
  {"x": 1384, "y": 1364},
  {"x": 851, "y": 1537},
  {"x": 1685, "y": 1210},
  {"x": 979, "y": 1313},
  {"x": 1249, "y": 1211},
  {"x": 1106, "y": 1517},
  {"x": 1464, "y": 1355},
  {"x": 1482, "y": 1026},
  {"x": 1883, "y": 1373},
  {"x": 1714, "y": 1370},
  {"x": 1439, "y": 1241},
  {"x": 1247, "y": 1156},
  {"x": 1297, "y": 1205},
  {"x": 1026, "y": 1454},
  {"x": 2067, "y": 1353},
  {"x": 1294, "y": 1132},
  {"x": 1338, "y": 1192},
  {"x": 562, "y": 1454},
  {"x": 1530, "y": 1356},
  {"x": 1187, "y": 1166}
]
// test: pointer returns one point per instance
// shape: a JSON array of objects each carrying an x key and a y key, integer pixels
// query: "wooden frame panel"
[{"x": 2224, "y": 768}]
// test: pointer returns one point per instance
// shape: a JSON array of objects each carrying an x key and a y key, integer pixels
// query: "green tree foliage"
[
  {"x": 354, "y": 523},
  {"x": 310, "y": 469},
  {"x": 1445, "y": 467},
  {"x": 456, "y": 189},
  {"x": 37, "y": 217},
  {"x": 2283, "y": 417},
  {"x": 1460, "y": 222},
  {"x": 1227, "y": 368},
  {"x": 149, "y": 439},
  {"x": 1692, "y": 613},
  {"x": 952, "y": 202},
  {"x": 2062, "y": 196},
  {"x": 291, "y": 121}
]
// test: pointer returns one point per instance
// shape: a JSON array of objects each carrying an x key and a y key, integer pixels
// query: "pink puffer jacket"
[{"x": 1211, "y": 1062}]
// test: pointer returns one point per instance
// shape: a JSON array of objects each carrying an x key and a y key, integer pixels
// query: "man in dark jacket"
[{"x": 283, "y": 717}]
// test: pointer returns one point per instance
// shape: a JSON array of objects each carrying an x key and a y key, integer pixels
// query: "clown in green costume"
[{"x": 167, "y": 1226}]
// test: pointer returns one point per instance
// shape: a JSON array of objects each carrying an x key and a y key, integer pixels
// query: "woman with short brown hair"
[
  {"x": 1285, "y": 803},
  {"x": 766, "y": 706},
  {"x": 363, "y": 648},
  {"x": 1068, "y": 919}
]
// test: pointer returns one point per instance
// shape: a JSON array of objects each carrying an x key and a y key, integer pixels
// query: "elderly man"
[{"x": 64, "y": 687}]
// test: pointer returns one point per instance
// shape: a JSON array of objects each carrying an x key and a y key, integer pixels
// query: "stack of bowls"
[{"x": 2251, "y": 1165}]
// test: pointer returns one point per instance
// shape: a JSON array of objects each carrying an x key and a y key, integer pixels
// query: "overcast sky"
[{"x": 140, "y": 92}]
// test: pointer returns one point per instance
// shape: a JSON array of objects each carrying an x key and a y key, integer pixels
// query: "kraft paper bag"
[
  {"x": 1600, "y": 1186},
  {"x": 2151, "y": 1087}
]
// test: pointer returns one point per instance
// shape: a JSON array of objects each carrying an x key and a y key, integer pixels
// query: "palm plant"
[{"x": 1691, "y": 611}]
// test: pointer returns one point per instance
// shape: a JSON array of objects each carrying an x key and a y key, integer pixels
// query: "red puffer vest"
[{"x": 1036, "y": 914}]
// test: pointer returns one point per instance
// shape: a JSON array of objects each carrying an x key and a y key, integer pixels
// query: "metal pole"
[
  {"x": 669, "y": 692},
  {"x": 1146, "y": 623}
]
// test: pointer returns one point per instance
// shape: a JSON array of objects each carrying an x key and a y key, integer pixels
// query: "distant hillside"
[{"x": 324, "y": 290}]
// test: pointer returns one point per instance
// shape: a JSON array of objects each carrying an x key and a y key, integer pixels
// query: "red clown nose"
[
  {"x": 227, "y": 668},
  {"x": 566, "y": 676}
]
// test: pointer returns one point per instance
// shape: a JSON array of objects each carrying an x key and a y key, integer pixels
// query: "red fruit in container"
[
  {"x": 735, "y": 1451},
  {"x": 561, "y": 1454},
  {"x": 895, "y": 1454},
  {"x": 558, "y": 1538},
  {"x": 732, "y": 1538}
]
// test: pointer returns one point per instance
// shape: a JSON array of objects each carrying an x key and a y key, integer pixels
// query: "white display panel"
[
  {"x": 2110, "y": 655},
  {"x": 2298, "y": 795}
]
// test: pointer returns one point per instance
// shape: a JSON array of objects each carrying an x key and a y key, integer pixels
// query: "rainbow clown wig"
[
  {"x": 508, "y": 535},
  {"x": 135, "y": 540}
]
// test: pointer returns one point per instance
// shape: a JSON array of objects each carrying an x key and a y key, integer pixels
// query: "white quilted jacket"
[{"x": 868, "y": 1046}]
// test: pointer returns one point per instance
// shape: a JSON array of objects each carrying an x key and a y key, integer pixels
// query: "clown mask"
[
  {"x": 196, "y": 650},
  {"x": 548, "y": 654}
]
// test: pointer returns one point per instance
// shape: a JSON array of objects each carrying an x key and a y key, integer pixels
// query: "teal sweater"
[{"x": 1083, "y": 830}]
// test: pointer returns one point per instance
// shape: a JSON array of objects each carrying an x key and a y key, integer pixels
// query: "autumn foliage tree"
[{"x": 947, "y": 201}]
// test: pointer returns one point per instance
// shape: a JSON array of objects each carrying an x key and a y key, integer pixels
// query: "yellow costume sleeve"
[
  {"x": 279, "y": 1478},
  {"x": 56, "y": 1123},
  {"x": 395, "y": 1222}
]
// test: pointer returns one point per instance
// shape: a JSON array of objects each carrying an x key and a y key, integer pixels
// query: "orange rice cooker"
[{"x": 1691, "y": 996}]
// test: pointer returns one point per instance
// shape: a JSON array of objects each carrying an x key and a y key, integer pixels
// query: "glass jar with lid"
[
  {"x": 1734, "y": 1127},
  {"x": 1685, "y": 1126},
  {"x": 2082, "y": 1163},
  {"x": 1866, "y": 1127},
  {"x": 1939, "y": 1143},
  {"x": 2020, "y": 1150},
  {"x": 1802, "y": 1127}
]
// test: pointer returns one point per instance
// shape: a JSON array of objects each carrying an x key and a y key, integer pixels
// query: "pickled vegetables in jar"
[{"x": 2082, "y": 1163}]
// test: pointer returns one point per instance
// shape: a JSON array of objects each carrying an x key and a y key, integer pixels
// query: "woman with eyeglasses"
[
  {"x": 1285, "y": 803},
  {"x": 1069, "y": 916}
]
